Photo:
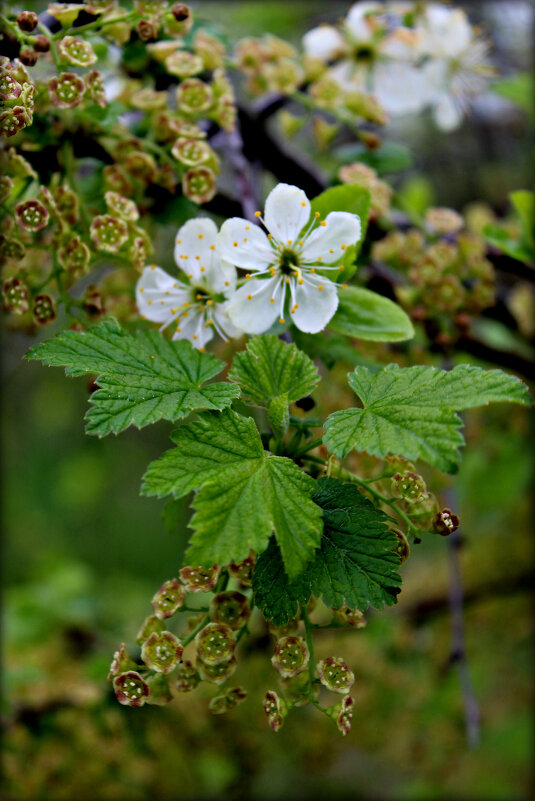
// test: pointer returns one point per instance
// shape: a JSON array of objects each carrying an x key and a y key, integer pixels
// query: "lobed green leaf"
[
  {"x": 411, "y": 411},
  {"x": 143, "y": 377}
]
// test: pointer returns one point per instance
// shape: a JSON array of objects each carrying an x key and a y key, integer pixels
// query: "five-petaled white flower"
[
  {"x": 196, "y": 304},
  {"x": 286, "y": 262}
]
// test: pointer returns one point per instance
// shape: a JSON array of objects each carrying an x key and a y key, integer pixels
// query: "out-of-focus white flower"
[
  {"x": 288, "y": 259},
  {"x": 324, "y": 42},
  {"x": 197, "y": 303}
]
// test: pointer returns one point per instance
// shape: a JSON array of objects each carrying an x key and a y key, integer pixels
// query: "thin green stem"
[
  {"x": 191, "y": 636},
  {"x": 68, "y": 166},
  {"x": 96, "y": 25},
  {"x": 308, "y": 446},
  {"x": 310, "y": 645}
]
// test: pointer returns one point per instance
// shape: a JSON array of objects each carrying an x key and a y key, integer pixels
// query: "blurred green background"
[{"x": 83, "y": 554}]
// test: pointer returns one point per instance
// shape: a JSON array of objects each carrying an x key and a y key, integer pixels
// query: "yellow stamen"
[
  {"x": 272, "y": 300},
  {"x": 212, "y": 247},
  {"x": 258, "y": 214},
  {"x": 320, "y": 287},
  {"x": 178, "y": 329},
  {"x": 317, "y": 214},
  {"x": 203, "y": 269},
  {"x": 281, "y": 320},
  {"x": 235, "y": 244},
  {"x": 201, "y": 236},
  {"x": 247, "y": 275},
  {"x": 245, "y": 239},
  {"x": 343, "y": 247},
  {"x": 323, "y": 223},
  {"x": 141, "y": 289},
  {"x": 149, "y": 302},
  {"x": 249, "y": 297}
]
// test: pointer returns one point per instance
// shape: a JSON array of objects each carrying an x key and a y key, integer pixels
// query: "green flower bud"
[
  {"x": 290, "y": 124},
  {"x": 352, "y": 617},
  {"x": 199, "y": 184},
  {"x": 94, "y": 87},
  {"x": 444, "y": 221},
  {"x": 150, "y": 625},
  {"x": 74, "y": 257},
  {"x": 66, "y": 90},
  {"x": 193, "y": 96},
  {"x": 116, "y": 179},
  {"x": 324, "y": 132},
  {"x": 76, "y": 51},
  {"x": 67, "y": 204},
  {"x": 326, "y": 92},
  {"x": 121, "y": 663},
  {"x": 187, "y": 678},
  {"x": 297, "y": 688},
  {"x": 192, "y": 151},
  {"x": 276, "y": 709},
  {"x": 184, "y": 64},
  {"x": 130, "y": 689},
  {"x": 32, "y": 215},
  {"x": 92, "y": 302},
  {"x": 148, "y": 29},
  {"x": 342, "y": 714},
  {"x": 224, "y": 703},
  {"x": 150, "y": 8},
  {"x": 409, "y": 486},
  {"x": 15, "y": 296},
  {"x": 291, "y": 656},
  {"x": 121, "y": 206},
  {"x": 231, "y": 608},
  {"x": 141, "y": 165},
  {"x": 148, "y": 100},
  {"x": 159, "y": 690},
  {"x": 28, "y": 56},
  {"x": 108, "y": 233},
  {"x": 199, "y": 579},
  {"x": 41, "y": 44},
  {"x": 243, "y": 571},
  {"x": 284, "y": 76},
  {"x": 335, "y": 675},
  {"x": 447, "y": 296},
  {"x": 44, "y": 309},
  {"x": 215, "y": 643},
  {"x": 445, "y": 522},
  {"x": 11, "y": 248},
  {"x": 161, "y": 651},
  {"x": 210, "y": 49},
  {"x": 137, "y": 253},
  {"x": 179, "y": 22},
  {"x": 216, "y": 674},
  {"x": 168, "y": 599}
]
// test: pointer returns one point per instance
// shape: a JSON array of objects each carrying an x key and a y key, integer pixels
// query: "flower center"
[
  {"x": 363, "y": 53},
  {"x": 288, "y": 262}
]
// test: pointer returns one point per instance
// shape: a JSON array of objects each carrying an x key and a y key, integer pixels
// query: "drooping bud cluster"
[
  {"x": 449, "y": 279},
  {"x": 17, "y": 93},
  {"x": 270, "y": 64}
]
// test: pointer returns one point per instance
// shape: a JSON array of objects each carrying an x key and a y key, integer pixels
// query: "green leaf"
[
  {"x": 499, "y": 238},
  {"x": 518, "y": 89},
  {"x": 279, "y": 414},
  {"x": 356, "y": 564},
  {"x": 243, "y": 493},
  {"x": 143, "y": 377},
  {"x": 366, "y": 315},
  {"x": 411, "y": 411},
  {"x": 269, "y": 368},
  {"x": 353, "y": 199},
  {"x": 523, "y": 202},
  {"x": 274, "y": 594}
]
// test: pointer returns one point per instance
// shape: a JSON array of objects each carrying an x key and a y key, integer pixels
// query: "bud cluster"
[
  {"x": 270, "y": 64},
  {"x": 17, "y": 97},
  {"x": 449, "y": 280}
]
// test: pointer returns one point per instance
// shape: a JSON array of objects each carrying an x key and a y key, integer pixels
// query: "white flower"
[
  {"x": 196, "y": 304},
  {"x": 289, "y": 257},
  {"x": 324, "y": 42}
]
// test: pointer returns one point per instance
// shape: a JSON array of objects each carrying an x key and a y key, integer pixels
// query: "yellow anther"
[
  {"x": 320, "y": 258},
  {"x": 247, "y": 275},
  {"x": 143, "y": 317},
  {"x": 198, "y": 297},
  {"x": 247, "y": 227},
  {"x": 300, "y": 242},
  {"x": 202, "y": 350},
  {"x": 209, "y": 302},
  {"x": 296, "y": 306},
  {"x": 249, "y": 297},
  {"x": 162, "y": 303},
  {"x": 317, "y": 214},
  {"x": 201, "y": 236},
  {"x": 202, "y": 308},
  {"x": 278, "y": 247},
  {"x": 190, "y": 275},
  {"x": 312, "y": 270},
  {"x": 303, "y": 203},
  {"x": 245, "y": 239},
  {"x": 153, "y": 266},
  {"x": 287, "y": 280},
  {"x": 149, "y": 302},
  {"x": 320, "y": 287},
  {"x": 186, "y": 304},
  {"x": 185, "y": 257},
  {"x": 258, "y": 214},
  {"x": 331, "y": 250},
  {"x": 301, "y": 281},
  {"x": 323, "y": 222},
  {"x": 177, "y": 329},
  {"x": 179, "y": 241},
  {"x": 270, "y": 236},
  {"x": 203, "y": 269},
  {"x": 198, "y": 258},
  {"x": 272, "y": 300},
  {"x": 212, "y": 247},
  {"x": 341, "y": 267},
  {"x": 343, "y": 247},
  {"x": 141, "y": 289},
  {"x": 185, "y": 314},
  {"x": 235, "y": 244},
  {"x": 281, "y": 320},
  {"x": 290, "y": 241},
  {"x": 195, "y": 336},
  {"x": 175, "y": 285},
  {"x": 272, "y": 271},
  {"x": 344, "y": 286},
  {"x": 226, "y": 283}
]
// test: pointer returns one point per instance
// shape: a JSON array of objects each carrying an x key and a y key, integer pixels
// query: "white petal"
[
  {"x": 193, "y": 327},
  {"x": 447, "y": 114},
  {"x": 323, "y": 42},
  {"x": 159, "y": 295},
  {"x": 315, "y": 307},
  {"x": 195, "y": 245},
  {"x": 256, "y": 314},
  {"x": 286, "y": 212},
  {"x": 221, "y": 278},
  {"x": 223, "y": 321},
  {"x": 328, "y": 242},
  {"x": 400, "y": 90},
  {"x": 356, "y": 21},
  {"x": 244, "y": 244}
]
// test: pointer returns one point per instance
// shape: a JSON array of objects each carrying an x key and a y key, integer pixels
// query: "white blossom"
[
  {"x": 196, "y": 302},
  {"x": 286, "y": 262}
]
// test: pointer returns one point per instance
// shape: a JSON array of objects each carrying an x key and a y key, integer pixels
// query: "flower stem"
[{"x": 310, "y": 645}]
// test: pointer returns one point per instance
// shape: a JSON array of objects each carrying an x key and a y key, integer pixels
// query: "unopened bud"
[
  {"x": 121, "y": 662},
  {"x": 402, "y": 549},
  {"x": 342, "y": 714},
  {"x": 188, "y": 677},
  {"x": 41, "y": 44},
  {"x": 224, "y": 703},
  {"x": 159, "y": 690},
  {"x": 150, "y": 625},
  {"x": 27, "y": 21},
  {"x": 28, "y": 56},
  {"x": 275, "y": 709},
  {"x": 181, "y": 12},
  {"x": 216, "y": 674},
  {"x": 15, "y": 296}
]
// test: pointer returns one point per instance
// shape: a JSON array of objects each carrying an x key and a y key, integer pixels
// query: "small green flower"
[
  {"x": 44, "y": 309},
  {"x": 150, "y": 625},
  {"x": 121, "y": 662},
  {"x": 193, "y": 96},
  {"x": 131, "y": 689},
  {"x": 32, "y": 215},
  {"x": 229, "y": 700},
  {"x": 335, "y": 675},
  {"x": 121, "y": 206},
  {"x": 199, "y": 184},
  {"x": 409, "y": 486},
  {"x": 94, "y": 86},
  {"x": 188, "y": 677},
  {"x": 199, "y": 579},
  {"x": 291, "y": 656},
  {"x": 215, "y": 643},
  {"x": 192, "y": 152},
  {"x": 66, "y": 90},
  {"x": 108, "y": 233},
  {"x": 161, "y": 651},
  {"x": 276, "y": 709},
  {"x": 168, "y": 599},
  {"x": 216, "y": 674},
  {"x": 184, "y": 64},
  {"x": 15, "y": 296},
  {"x": 74, "y": 257},
  {"x": 231, "y": 608},
  {"x": 76, "y": 51}
]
